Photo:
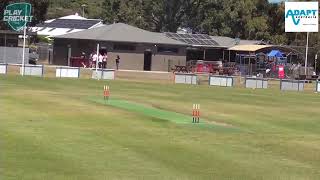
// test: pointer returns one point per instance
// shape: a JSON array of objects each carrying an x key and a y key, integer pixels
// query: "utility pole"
[{"x": 315, "y": 62}]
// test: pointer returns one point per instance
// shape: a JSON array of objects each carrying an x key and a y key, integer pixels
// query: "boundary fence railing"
[
  {"x": 291, "y": 85},
  {"x": 32, "y": 70},
  {"x": 256, "y": 83},
  {"x": 105, "y": 74},
  {"x": 3, "y": 68},
  {"x": 67, "y": 72},
  {"x": 181, "y": 78},
  {"x": 224, "y": 81}
]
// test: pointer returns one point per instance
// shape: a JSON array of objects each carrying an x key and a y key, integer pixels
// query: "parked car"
[{"x": 33, "y": 57}]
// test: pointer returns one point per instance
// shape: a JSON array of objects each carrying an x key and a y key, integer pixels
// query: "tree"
[
  {"x": 40, "y": 8},
  {"x": 111, "y": 9},
  {"x": 126, "y": 11},
  {"x": 256, "y": 28},
  {"x": 163, "y": 15},
  {"x": 246, "y": 19}
]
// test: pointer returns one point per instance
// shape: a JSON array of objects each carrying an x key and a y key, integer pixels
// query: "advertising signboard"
[{"x": 302, "y": 16}]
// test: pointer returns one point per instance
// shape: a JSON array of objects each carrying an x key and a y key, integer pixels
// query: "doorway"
[
  {"x": 147, "y": 61},
  {"x": 103, "y": 50}
]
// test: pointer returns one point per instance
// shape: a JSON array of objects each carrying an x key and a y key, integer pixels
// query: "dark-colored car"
[{"x": 33, "y": 57}]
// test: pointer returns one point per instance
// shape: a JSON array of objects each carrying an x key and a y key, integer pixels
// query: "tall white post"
[
  {"x": 5, "y": 49},
  {"x": 69, "y": 56},
  {"x": 24, "y": 40},
  {"x": 24, "y": 48},
  {"x": 97, "y": 61},
  {"x": 306, "y": 62},
  {"x": 315, "y": 62}
]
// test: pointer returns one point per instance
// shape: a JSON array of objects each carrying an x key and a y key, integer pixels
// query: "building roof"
[
  {"x": 73, "y": 16},
  {"x": 65, "y": 25},
  {"x": 248, "y": 48},
  {"x": 120, "y": 32},
  {"x": 51, "y": 32},
  {"x": 251, "y": 42},
  {"x": 230, "y": 42},
  {"x": 224, "y": 41},
  {"x": 71, "y": 23},
  {"x": 196, "y": 40}
]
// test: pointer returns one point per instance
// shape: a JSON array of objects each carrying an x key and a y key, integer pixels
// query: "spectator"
[
  {"x": 94, "y": 59},
  {"x": 90, "y": 59},
  {"x": 117, "y": 62},
  {"x": 83, "y": 55},
  {"x": 100, "y": 59},
  {"x": 105, "y": 60}
]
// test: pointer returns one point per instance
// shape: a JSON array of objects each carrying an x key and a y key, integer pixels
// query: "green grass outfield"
[{"x": 62, "y": 129}]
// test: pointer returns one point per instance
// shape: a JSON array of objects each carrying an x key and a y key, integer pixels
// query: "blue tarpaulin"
[{"x": 275, "y": 53}]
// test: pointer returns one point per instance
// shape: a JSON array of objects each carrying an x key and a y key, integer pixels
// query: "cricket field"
[{"x": 62, "y": 129}]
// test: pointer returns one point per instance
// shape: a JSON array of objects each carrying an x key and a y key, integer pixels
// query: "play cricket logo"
[
  {"x": 301, "y": 16},
  {"x": 17, "y": 15}
]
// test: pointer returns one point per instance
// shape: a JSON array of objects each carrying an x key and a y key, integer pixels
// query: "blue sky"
[{"x": 275, "y": 1}]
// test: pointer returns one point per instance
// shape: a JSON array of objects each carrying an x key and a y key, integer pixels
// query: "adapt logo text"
[
  {"x": 301, "y": 16},
  {"x": 297, "y": 15}
]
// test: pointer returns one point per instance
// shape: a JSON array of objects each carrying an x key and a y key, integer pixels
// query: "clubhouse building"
[{"x": 150, "y": 51}]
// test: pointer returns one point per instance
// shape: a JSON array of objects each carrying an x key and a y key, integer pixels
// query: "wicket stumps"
[
  {"x": 106, "y": 93},
  {"x": 196, "y": 113}
]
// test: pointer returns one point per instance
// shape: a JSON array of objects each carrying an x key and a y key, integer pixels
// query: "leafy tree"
[
  {"x": 111, "y": 9},
  {"x": 58, "y": 8},
  {"x": 246, "y": 19},
  {"x": 166, "y": 15}
]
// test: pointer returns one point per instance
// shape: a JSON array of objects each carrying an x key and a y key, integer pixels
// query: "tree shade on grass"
[{"x": 58, "y": 129}]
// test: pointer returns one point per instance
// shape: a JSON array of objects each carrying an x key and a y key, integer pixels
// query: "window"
[
  {"x": 168, "y": 50},
  {"x": 124, "y": 47}
]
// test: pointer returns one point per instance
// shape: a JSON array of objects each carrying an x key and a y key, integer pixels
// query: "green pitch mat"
[{"x": 159, "y": 113}]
